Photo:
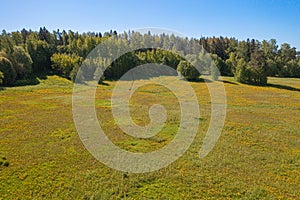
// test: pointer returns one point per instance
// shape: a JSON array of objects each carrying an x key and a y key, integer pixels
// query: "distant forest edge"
[{"x": 26, "y": 54}]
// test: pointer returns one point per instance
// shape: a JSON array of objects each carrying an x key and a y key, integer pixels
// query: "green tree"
[
  {"x": 286, "y": 53},
  {"x": 257, "y": 63},
  {"x": 231, "y": 62},
  {"x": 23, "y": 62},
  {"x": 243, "y": 51},
  {"x": 205, "y": 61},
  {"x": 6, "y": 67},
  {"x": 40, "y": 52},
  {"x": 291, "y": 69},
  {"x": 187, "y": 70},
  {"x": 252, "y": 72},
  {"x": 269, "y": 48},
  {"x": 17, "y": 38},
  {"x": 272, "y": 67},
  {"x": 242, "y": 72},
  {"x": 6, "y": 42},
  {"x": 223, "y": 68},
  {"x": 63, "y": 64}
]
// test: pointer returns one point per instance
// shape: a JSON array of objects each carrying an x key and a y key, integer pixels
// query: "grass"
[{"x": 256, "y": 157}]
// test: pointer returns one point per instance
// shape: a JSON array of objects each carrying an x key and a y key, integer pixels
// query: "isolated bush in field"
[
  {"x": 187, "y": 70},
  {"x": 23, "y": 62},
  {"x": 9, "y": 73},
  {"x": 258, "y": 68},
  {"x": 242, "y": 72},
  {"x": 253, "y": 72}
]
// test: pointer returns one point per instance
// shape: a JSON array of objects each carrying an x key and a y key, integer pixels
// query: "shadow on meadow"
[
  {"x": 284, "y": 87},
  {"x": 32, "y": 80},
  {"x": 229, "y": 82},
  {"x": 200, "y": 80}
]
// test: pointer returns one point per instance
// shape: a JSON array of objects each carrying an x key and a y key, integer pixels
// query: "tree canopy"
[{"x": 26, "y": 53}]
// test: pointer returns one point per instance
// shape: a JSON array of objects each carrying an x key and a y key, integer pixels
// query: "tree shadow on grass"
[
  {"x": 229, "y": 82},
  {"x": 34, "y": 79},
  {"x": 2, "y": 88},
  {"x": 204, "y": 80},
  {"x": 284, "y": 87},
  {"x": 29, "y": 81},
  {"x": 200, "y": 80}
]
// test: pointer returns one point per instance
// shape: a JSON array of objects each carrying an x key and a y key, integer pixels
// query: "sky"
[{"x": 242, "y": 19}]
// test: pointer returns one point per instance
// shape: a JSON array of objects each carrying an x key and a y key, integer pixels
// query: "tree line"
[{"x": 26, "y": 53}]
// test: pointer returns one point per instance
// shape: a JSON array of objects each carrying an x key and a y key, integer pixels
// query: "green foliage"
[
  {"x": 269, "y": 48},
  {"x": 258, "y": 68},
  {"x": 242, "y": 72},
  {"x": 205, "y": 61},
  {"x": 158, "y": 56},
  {"x": 9, "y": 73},
  {"x": 123, "y": 64},
  {"x": 63, "y": 64},
  {"x": 231, "y": 62},
  {"x": 1, "y": 78},
  {"x": 27, "y": 81},
  {"x": 40, "y": 52},
  {"x": 187, "y": 70},
  {"x": 34, "y": 52},
  {"x": 243, "y": 51},
  {"x": 272, "y": 67},
  {"x": 291, "y": 69},
  {"x": 23, "y": 62},
  {"x": 6, "y": 43},
  {"x": 286, "y": 53},
  {"x": 74, "y": 74},
  {"x": 253, "y": 72},
  {"x": 223, "y": 68},
  {"x": 214, "y": 72}
]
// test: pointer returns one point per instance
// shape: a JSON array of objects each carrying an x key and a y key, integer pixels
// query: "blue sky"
[{"x": 259, "y": 19}]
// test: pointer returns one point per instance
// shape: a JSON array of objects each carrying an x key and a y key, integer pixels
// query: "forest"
[{"x": 25, "y": 54}]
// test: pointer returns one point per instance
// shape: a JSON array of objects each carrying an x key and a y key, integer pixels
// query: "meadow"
[{"x": 256, "y": 157}]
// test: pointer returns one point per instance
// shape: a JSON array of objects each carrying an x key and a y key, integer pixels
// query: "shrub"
[
  {"x": 223, "y": 68},
  {"x": 9, "y": 73},
  {"x": 248, "y": 74},
  {"x": 23, "y": 62},
  {"x": 292, "y": 69},
  {"x": 63, "y": 64},
  {"x": 186, "y": 70},
  {"x": 242, "y": 73}
]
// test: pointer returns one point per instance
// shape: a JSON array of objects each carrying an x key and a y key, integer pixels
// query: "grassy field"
[{"x": 257, "y": 155}]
